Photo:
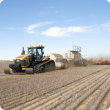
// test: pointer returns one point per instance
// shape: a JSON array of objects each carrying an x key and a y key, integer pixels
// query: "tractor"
[{"x": 33, "y": 62}]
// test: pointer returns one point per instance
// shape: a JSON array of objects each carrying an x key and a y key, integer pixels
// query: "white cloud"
[
  {"x": 1, "y": 1},
  {"x": 65, "y": 31},
  {"x": 54, "y": 32},
  {"x": 108, "y": 1},
  {"x": 11, "y": 28},
  {"x": 30, "y": 32},
  {"x": 56, "y": 12},
  {"x": 31, "y": 27},
  {"x": 105, "y": 26},
  {"x": 101, "y": 27},
  {"x": 70, "y": 20},
  {"x": 60, "y": 32}
]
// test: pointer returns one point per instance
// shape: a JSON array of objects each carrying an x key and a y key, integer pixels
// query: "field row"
[
  {"x": 19, "y": 89},
  {"x": 88, "y": 92}
]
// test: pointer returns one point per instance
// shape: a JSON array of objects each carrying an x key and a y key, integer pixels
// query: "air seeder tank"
[{"x": 60, "y": 62}]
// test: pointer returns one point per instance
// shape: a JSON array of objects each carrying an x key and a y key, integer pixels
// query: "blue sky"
[{"x": 56, "y": 24}]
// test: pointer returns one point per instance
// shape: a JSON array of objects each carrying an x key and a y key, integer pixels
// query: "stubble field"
[{"x": 76, "y": 88}]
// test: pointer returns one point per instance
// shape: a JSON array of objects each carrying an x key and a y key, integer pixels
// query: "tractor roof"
[{"x": 40, "y": 46}]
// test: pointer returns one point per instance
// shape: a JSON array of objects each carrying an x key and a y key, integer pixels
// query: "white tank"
[
  {"x": 68, "y": 55},
  {"x": 57, "y": 58}
]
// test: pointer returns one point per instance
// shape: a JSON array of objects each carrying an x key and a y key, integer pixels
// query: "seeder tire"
[
  {"x": 85, "y": 63},
  {"x": 80, "y": 62},
  {"x": 52, "y": 66},
  {"x": 66, "y": 64}
]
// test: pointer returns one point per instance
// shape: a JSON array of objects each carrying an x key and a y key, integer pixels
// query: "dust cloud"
[{"x": 100, "y": 56}]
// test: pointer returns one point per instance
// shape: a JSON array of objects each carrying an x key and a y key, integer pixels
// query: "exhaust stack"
[{"x": 23, "y": 52}]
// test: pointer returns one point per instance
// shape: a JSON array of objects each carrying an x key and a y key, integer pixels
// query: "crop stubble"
[{"x": 78, "y": 88}]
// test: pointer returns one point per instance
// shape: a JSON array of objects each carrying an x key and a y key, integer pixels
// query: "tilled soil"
[{"x": 76, "y": 88}]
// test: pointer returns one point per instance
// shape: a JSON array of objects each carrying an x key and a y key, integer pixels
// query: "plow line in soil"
[
  {"x": 9, "y": 102},
  {"x": 70, "y": 97}
]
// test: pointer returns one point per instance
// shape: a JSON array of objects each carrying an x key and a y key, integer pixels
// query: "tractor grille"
[{"x": 22, "y": 62}]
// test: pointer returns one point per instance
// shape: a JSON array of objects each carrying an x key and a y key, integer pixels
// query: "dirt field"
[{"x": 76, "y": 88}]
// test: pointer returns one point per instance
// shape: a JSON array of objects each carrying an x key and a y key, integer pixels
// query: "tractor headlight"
[
  {"x": 17, "y": 60},
  {"x": 22, "y": 59}
]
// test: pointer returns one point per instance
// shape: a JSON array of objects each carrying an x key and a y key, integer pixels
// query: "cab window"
[
  {"x": 34, "y": 51},
  {"x": 39, "y": 53},
  {"x": 30, "y": 51}
]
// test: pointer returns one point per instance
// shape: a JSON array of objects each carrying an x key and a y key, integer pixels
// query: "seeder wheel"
[
  {"x": 85, "y": 63},
  {"x": 52, "y": 66}
]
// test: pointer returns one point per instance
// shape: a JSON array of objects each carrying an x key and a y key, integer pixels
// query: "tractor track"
[{"x": 61, "y": 96}]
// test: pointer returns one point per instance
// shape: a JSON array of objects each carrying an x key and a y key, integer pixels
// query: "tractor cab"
[{"x": 37, "y": 51}]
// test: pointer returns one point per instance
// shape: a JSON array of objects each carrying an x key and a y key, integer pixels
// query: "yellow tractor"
[{"x": 30, "y": 63}]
